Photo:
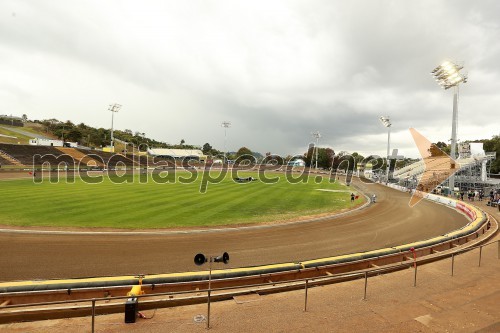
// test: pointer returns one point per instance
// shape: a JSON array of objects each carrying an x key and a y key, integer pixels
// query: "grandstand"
[
  {"x": 437, "y": 164},
  {"x": 7, "y": 160},
  {"x": 432, "y": 171},
  {"x": 28, "y": 155},
  {"x": 80, "y": 158},
  {"x": 110, "y": 159},
  {"x": 25, "y": 154},
  {"x": 154, "y": 161}
]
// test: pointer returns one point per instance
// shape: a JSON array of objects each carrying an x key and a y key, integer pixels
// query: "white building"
[
  {"x": 178, "y": 153},
  {"x": 297, "y": 163},
  {"x": 45, "y": 142}
]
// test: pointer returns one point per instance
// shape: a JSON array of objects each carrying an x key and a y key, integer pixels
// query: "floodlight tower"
[
  {"x": 386, "y": 121},
  {"x": 226, "y": 125},
  {"x": 316, "y": 135},
  {"x": 113, "y": 108},
  {"x": 448, "y": 75}
]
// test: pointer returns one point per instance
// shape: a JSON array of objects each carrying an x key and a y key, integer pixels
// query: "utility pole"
[
  {"x": 386, "y": 121},
  {"x": 316, "y": 135},
  {"x": 113, "y": 108},
  {"x": 448, "y": 76},
  {"x": 226, "y": 125}
]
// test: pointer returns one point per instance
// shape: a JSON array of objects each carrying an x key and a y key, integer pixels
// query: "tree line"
[
  {"x": 100, "y": 137},
  {"x": 326, "y": 157}
]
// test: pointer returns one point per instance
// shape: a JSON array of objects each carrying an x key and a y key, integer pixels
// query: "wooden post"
[
  {"x": 452, "y": 263},
  {"x": 415, "y": 277},
  {"x": 305, "y": 300},
  {"x": 480, "y": 254},
  {"x": 366, "y": 284},
  {"x": 93, "y": 315}
]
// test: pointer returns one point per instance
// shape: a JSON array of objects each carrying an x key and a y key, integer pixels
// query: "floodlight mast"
[
  {"x": 316, "y": 135},
  {"x": 226, "y": 125},
  {"x": 447, "y": 76},
  {"x": 113, "y": 108},
  {"x": 386, "y": 121}
]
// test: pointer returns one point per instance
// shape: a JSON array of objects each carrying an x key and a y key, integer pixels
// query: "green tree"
[
  {"x": 443, "y": 147},
  {"x": 490, "y": 146},
  {"x": 377, "y": 162},
  {"x": 357, "y": 157},
  {"x": 435, "y": 150},
  {"x": 325, "y": 157},
  {"x": 207, "y": 148},
  {"x": 73, "y": 135},
  {"x": 309, "y": 156},
  {"x": 343, "y": 161},
  {"x": 243, "y": 151}
]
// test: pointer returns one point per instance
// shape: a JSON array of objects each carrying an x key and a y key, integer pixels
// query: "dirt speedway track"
[{"x": 388, "y": 222}]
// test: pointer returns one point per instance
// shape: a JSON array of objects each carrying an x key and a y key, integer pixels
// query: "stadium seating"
[
  {"x": 110, "y": 159},
  {"x": 80, "y": 158},
  {"x": 24, "y": 155},
  {"x": 431, "y": 171},
  {"x": 406, "y": 171},
  {"x": 147, "y": 160},
  {"x": 418, "y": 168},
  {"x": 4, "y": 161}
]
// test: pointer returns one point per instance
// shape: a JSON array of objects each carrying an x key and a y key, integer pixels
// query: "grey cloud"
[{"x": 277, "y": 70}]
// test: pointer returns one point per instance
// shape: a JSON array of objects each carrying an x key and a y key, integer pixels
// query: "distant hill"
[{"x": 83, "y": 134}]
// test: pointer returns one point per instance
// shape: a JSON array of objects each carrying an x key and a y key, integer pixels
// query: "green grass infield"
[{"x": 174, "y": 204}]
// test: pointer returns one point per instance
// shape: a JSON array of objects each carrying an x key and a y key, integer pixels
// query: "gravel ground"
[{"x": 466, "y": 302}]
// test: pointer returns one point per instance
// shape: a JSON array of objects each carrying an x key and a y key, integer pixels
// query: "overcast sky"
[{"x": 278, "y": 70}]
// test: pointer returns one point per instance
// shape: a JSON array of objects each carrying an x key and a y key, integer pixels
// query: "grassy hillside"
[
  {"x": 11, "y": 136},
  {"x": 36, "y": 130}
]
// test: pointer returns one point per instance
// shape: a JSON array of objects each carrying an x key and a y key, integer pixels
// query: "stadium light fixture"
[
  {"x": 316, "y": 135},
  {"x": 386, "y": 121},
  {"x": 447, "y": 76},
  {"x": 226, "y": 125},
  {"x": 113, "y": 108}
]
